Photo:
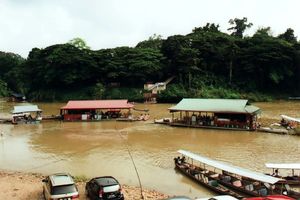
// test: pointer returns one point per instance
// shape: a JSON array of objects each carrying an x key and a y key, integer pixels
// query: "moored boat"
[
  {"x": 243, "y": 180},
  {"x": 27, "y": 114},
  {"x": 292, "y": 179},
  {"x": 204, "y": 178},
  {"x": 270, "y": 197}
]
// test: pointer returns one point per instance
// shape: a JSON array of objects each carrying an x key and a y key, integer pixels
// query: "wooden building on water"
[
  {"x": 93, "y": 110},
  {"x": 235, "y": 114},
  {"x": 17, "y": 97}
]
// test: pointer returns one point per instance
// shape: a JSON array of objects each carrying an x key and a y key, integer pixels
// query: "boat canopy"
[
  {"x": 230, "y": 168},
  {"x": 215, "y": 106},
  {"x": 27, "y": 108},
  {"x": 290, "y": 118},
  {"x": 97, "y": 104},
  {"x": 283, "y": 165}
]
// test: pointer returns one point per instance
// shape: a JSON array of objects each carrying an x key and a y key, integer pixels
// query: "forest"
[{"x": 206, "y": 63}]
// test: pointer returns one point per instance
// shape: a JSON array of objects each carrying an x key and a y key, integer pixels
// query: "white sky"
[{"x": 25, "y": 24}]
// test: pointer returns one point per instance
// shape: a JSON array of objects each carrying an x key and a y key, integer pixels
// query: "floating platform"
[
  {"x": 5, "y": 120},
  {"x": 168, "y": 121},
  {"x": 51, "y": 117}
]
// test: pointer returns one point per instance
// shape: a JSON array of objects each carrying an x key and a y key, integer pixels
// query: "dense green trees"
[
  {"x": 239, "y": 26},
  {"x": 79, "y": 43},
  {"x": 10, "y": 72},
  {"x": 206, "y": 63}
]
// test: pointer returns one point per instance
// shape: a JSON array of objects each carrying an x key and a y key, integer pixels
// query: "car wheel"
[{"x": 86, "y": 193}]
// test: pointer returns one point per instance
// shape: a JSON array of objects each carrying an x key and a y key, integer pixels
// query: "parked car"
[
  {"x": 104, "y": 188},
  {"x": 60, "y": 186}
]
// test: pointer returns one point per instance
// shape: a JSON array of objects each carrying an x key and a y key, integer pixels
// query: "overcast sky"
[{"x": 25, "y": 24}]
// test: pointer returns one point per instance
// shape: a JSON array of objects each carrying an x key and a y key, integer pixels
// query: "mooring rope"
[
  {"x": 132, "y": 160},
  {"x": 75, "y": 153}
]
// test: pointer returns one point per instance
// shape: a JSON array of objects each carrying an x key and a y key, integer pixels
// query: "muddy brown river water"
[{"x": 101, "y": 148}]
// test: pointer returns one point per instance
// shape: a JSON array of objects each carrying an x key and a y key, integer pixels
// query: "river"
[{"x": 101, "y": 148}]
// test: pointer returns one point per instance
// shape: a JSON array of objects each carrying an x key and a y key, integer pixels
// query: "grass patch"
[{"x": 80, "y": 178}]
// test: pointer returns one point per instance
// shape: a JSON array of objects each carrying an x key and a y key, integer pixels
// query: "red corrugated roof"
[{"x": 97, "y": 104}]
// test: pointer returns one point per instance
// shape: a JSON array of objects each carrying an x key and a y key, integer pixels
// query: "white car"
[{"x": 60, "y": 186}]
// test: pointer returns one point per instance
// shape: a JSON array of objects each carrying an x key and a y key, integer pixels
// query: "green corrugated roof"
[{"x": 215, "y": 105}]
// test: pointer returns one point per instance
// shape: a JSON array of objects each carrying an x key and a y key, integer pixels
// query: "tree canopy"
[
  {"x": 206, "y": 63},
  {"x": 239, "y": 26}
]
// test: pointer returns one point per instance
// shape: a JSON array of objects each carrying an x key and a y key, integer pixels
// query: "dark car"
[{"x": 104, "y": 188}]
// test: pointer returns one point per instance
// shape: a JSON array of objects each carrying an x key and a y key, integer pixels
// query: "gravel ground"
[{"x": 18, "y": 185}]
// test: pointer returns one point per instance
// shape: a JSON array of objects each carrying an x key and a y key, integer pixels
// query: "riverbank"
[{"x": 20, "y": 185}]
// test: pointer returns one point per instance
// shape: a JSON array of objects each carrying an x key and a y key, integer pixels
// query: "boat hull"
[{"x": 220, "y": 189}]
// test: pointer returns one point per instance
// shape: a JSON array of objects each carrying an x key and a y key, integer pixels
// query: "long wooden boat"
[
  {"x": 243, "y": 180},
  {"x": 270, "y": 197},
  {"x": 291, "y": 180},
  {"x": 203, "y": 178},
  {"x": 273, "y": 130}
]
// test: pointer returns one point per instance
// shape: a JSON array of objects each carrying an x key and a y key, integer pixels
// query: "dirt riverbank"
[{"x": 18, "y": 185}]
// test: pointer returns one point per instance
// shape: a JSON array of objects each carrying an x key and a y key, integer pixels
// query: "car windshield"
[
  {"x": 63, "y": 189},
  {"x": 105, "y": 181}
]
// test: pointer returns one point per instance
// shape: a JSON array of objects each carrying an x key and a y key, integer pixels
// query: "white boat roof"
[
  {"x": 230, "y": 168},
  {"x": 283, "y": 165},
  {"x": 220, "y": 197},
  {"x": 290, "y": 118},
  {"x": 27, "y": 108}
]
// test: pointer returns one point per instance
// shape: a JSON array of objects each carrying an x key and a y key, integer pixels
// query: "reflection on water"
[{"x": 100, "y": 148}]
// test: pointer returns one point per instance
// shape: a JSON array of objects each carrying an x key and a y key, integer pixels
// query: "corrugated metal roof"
[
  {"x": 215, "y": 105},
  {"x": 27, "y": 108},
  {"x": 283, "y": 165},
  {"x": 98, "y": 104},
  {"x": 230, "y": 168}
]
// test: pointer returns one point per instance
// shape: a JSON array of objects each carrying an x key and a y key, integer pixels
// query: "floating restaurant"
[
  {"x": 93, "y": 110},
  {"x": 26, "y": 114},
  {"x": 236, "y": 114}
]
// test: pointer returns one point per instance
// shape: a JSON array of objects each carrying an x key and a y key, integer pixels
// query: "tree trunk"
[
  {"x": 230, "y": 71},
  {"x": 190, "y": 81}
]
